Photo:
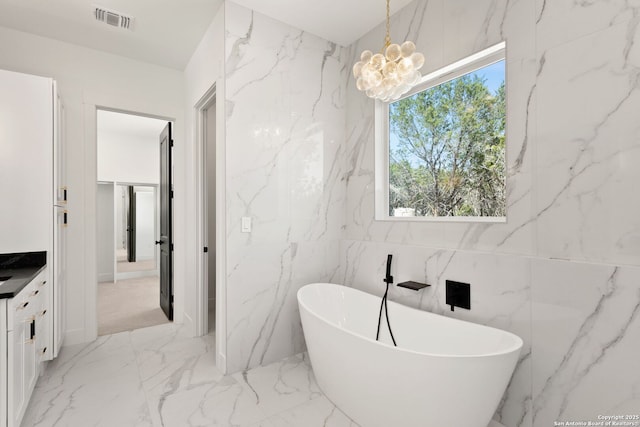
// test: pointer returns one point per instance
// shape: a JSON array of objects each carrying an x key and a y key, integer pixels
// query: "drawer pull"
[
  {"x": 22, "y": 306},
  {"x": 43, "y": 312},
  {"x": 32, "y": 332},
  {"x": 44, "y": 282},
  {"x": 44, "y": 350},
  {"x": 34, "y": 293}
]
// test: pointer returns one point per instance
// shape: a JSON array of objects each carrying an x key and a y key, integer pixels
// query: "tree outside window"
[{"x": 447, "y": 148}]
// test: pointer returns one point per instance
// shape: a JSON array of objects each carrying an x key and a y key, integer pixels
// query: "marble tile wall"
[
  {"x": 501, "y": 297},
  {"x": 285, "y": 103},
  {"x": 447, "y": 31},
  {"x": 586, "y": 332},
  {"x": 580, "y": 322},
  {"x": 563, "y": 272}
]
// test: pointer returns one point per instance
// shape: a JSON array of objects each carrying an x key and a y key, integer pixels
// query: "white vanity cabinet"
[
  {"x": 33, "y": 184},
  {"x": 33, "y": 220},
  {"x": 24, "y": 319}
]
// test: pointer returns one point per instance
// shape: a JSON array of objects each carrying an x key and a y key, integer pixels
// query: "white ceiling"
[
  {"x": 165, "y": 32},
  {"x": 142, "y": 128},
  {"x": 340, "y": 21}
]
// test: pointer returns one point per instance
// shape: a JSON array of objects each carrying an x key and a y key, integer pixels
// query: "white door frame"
[
  {"x": 93, "y": 103},
  {"x": 202, "y": 300}
]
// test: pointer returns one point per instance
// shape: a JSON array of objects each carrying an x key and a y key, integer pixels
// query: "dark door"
[
  {"x": 166, "y": 239},
  {"x": 131, "y": 224}
]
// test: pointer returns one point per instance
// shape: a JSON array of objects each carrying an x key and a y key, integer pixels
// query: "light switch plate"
[{"x": 246, "y": 224}]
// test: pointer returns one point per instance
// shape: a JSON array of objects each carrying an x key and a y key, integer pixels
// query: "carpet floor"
[{"x": 129, "y": 304}]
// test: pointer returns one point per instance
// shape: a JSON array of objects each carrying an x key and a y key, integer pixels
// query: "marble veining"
[
  {"x": 281, "y": 394},
  {"x": 501, "y": 297},
  {"x": 159, "y": 377},
  {"x": 580, "y": 322},
  {"x": 586, "y": 340},
  {"x": 572, "y": 151},
  {"x": 285, "y": 150},
  {"x": 449, "y": 31}
]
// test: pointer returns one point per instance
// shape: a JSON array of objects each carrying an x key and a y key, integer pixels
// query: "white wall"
[
  {"x": 563, "y": 271},
  {"x": 205, "y": 68},
  {"x": 128, "y": 158},
  {"x": 87, "y": 78},
  {"x": 105, "y": 221}
]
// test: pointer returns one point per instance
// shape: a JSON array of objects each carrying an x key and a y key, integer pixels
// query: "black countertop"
[{"x": 21, "y": 268}]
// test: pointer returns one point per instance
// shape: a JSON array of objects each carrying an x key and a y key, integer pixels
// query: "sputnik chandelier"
[{"x": 390, "y": 74}]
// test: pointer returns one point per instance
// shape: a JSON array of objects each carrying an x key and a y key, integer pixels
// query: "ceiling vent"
[{"x": 113, "y": 18}]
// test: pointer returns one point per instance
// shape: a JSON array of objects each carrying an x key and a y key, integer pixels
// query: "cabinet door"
[
  {"x": 43, "y": 325},
  {"x": 3, "y": 362},
  {"x": 22, "y": 369},
  {"x": 57, "y": 291},
  {"x": 26, "y": 163},
  {"x": 31, "y": 362},
  {"x": 17, "y": 346}
]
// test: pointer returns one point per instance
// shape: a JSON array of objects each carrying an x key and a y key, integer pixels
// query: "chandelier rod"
[{"x": 387, "y": 39}]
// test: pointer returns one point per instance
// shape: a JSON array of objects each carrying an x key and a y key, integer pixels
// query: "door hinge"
[
  {"x": 172, "y": 246},
  {"x": 206, "y": 249},
  {"x": 64, "y": 218},
  {"x": 171, "y": 143},
  {"x": 171, "y": 194}
]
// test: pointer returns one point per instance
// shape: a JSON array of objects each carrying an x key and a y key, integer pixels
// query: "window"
[{"x": 441, "y": 149}]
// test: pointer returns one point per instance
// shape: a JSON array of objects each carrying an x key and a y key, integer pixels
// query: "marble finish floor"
[{"x": 159, "y": 377}]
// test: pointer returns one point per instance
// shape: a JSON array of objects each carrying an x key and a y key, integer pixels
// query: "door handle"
[
  {"x": 32, "y": 331},
  {"x": 158, "y": 242}
]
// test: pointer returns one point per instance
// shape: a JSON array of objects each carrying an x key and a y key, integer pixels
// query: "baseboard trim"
[
  {"x": 73, "y": 337},
  {"x": 105, "y": 277}
]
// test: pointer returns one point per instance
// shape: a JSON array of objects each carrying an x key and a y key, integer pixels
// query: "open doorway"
[
  {"x": 134, "y": 177},
  {"x": 209, "y": 145},
  {"x": 210, "y": 272},
  {"x": 136, "y": 219}
]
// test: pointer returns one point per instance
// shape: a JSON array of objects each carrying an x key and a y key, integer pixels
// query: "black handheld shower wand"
[{"x": 388, "y": 280}]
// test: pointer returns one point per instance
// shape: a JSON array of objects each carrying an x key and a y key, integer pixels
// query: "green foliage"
[{"x": 449, "y": 157}]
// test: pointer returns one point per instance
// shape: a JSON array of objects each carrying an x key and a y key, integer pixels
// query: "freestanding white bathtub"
[{"x": 444, "y": 372}]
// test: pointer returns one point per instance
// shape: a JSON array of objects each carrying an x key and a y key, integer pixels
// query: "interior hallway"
[
  {"x": 125, "y": 266},
  {"x": 129, "y": 304}
]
